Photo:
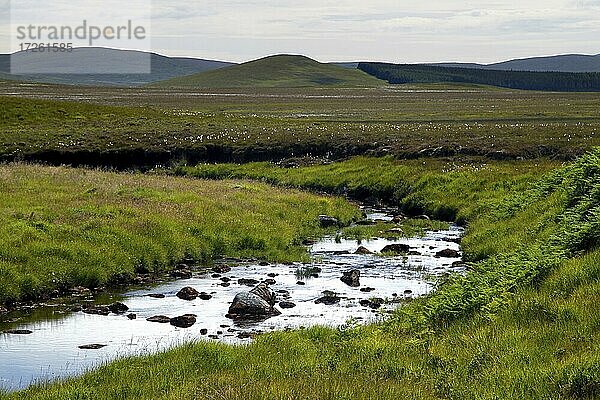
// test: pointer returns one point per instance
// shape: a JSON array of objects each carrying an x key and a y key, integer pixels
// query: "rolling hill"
[
  {"x": 560, "y": 63},
  {"x": 81, "y": 59},
  {"x": 277, "y": 71}
]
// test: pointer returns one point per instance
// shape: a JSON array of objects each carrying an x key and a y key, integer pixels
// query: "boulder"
[
  {"x": 118, "y": 308},
  {"x": 188, "y": 293},
  {"x": 258, "y": 303},
  {"x": 161, "y": 319},
  {"x": 363, "y": 250},
  {"x": 351, "y": 278},
  {"x": 132, "y": 316},
  {"x": 448, "y": 253},
  {"x": 327, "y": 222},
  {"x": 184, "y": 321},
  {"x": 396, "y": 248}
]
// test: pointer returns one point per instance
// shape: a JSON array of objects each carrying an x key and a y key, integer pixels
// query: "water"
[{"x": 52, "y": 350}]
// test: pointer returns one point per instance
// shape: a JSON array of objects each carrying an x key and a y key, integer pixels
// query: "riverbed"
[{"x": 52, "y": 349}]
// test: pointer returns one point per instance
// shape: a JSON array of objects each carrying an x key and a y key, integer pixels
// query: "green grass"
[
  {"x": 125, "y": 127},
  {"x": 286, "y": 71},
  {"x": 523, "y": 323},
  {"x": 63, "y": 227}
]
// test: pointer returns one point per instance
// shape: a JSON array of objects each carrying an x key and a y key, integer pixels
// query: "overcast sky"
[{"x": 385, "y": 30}]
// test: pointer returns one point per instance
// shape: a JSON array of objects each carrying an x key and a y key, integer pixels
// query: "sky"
[{"x": 371, "y": 30}]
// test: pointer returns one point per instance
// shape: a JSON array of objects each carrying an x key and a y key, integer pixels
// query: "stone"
[
  {"x": 287, "y": 304},
  {"x": 203, "y": 331},
  {"x": 300, "y": 283},
  {"x": 258, "y": 303},
  {"x": 132, "y": 316},
  {"x": 396, "y": 248},
  {"x": 205, "y": 296},
  {"x": 351, "y": 278},
  {"x": 188, "y": 293},
  {"x": 329, "y": 298},
  {"x": 18, "y": 332},
  {"x": 367, "y": 289},
  {"x": 156, "y": 295},
  {"x": 270, "y": 281},
  {"x": 327, "y": 222},
  {"x": 363, "y": 250},
  {"x": 184, "y": 321},
  {"x": 221, "y": 269},
  {"x": 161, "y": 319},
  {"x": 80, "y": 291},
  {"x": 398, "y": 218},
  {"x": 181, "y": 274},
  {"x": 96, "y": 310},
  {"x": 118, "y": 308},
  {"x": 414, "y": 253},
  {"x": 92, "y": 346},
  {"x": 448, "y": 253},
  {"x": 373, "y": 303},
  {"x": 248, "y": 281}
]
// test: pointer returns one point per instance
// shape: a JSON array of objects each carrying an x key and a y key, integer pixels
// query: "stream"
[{"x": 52, "y": 349}]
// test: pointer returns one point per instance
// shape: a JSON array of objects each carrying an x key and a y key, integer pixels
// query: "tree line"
[{"x": 549, "y": 81}]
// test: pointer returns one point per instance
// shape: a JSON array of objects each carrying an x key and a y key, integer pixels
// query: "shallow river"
[{"x": 52, "y": 349}]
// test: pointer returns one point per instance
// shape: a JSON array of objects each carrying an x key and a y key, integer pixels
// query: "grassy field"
[
  {"x": 144, "y": 127},
  {"x": 523, "y": 323},
  {"x": 63, "y": 227},
  {"x": 286, "y": 71}
]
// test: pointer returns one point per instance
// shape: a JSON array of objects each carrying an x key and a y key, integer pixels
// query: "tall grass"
[{"x": 62, "y": 227}]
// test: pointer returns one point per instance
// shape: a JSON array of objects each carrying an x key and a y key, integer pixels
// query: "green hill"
[{"x": 276, "y": 71}]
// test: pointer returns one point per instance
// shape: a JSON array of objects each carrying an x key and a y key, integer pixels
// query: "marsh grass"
[
  {"x": 63, "y": 227},
  {"x": 260, "y": 124}
]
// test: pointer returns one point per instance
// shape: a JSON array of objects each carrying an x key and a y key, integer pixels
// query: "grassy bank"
[
  {"x": 62, "y": 227},
  {"x": 523, "y": 323}
]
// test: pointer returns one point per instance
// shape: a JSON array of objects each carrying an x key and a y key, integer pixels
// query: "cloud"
[{"x": 392, "y": 30}]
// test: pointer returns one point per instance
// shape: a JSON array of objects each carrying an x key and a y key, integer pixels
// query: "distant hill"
[
  {"x": 162, "y": 67},
  {"x": 548, "y": 81},
  {"x": 276, "y": 71},
  {"x": 560, "y": 63}
]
